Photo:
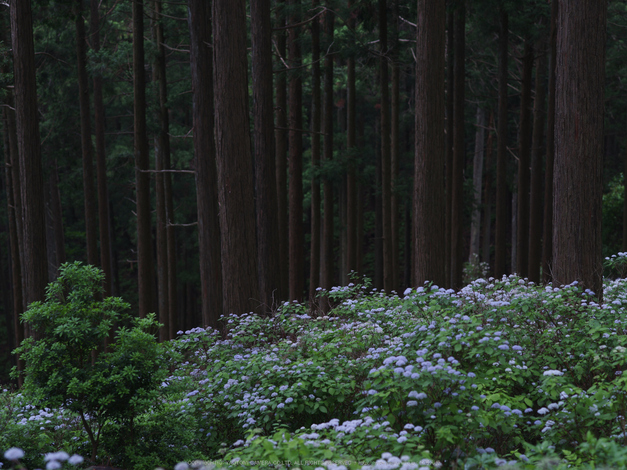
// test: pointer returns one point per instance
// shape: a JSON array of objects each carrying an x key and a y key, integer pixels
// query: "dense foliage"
[{"x": 502, "y": 372}]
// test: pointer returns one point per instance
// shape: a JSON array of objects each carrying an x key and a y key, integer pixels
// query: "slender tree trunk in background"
[
  {"x": 280, "y": 135},
  {"x": 547, "y": 233},
  {"x": 477, "y": 176},
  {"x": 10, "y": 154},
  {"x": 500, "y": 234},
  {"x": 487, "y": 194},
  {"x": 101, "y": 165},
  {"x": 524, "y": 140},
  {"x": 206, "y": 173},
  {"x": 240, "y": 292},
  {"x": 578, "y": 183},
  {"x": 162, "y": 148},
  {"x": 429, "y": 240},
  {"x": 361, "y": 196},
  {"x": 145, "y": 263},
  {"x": 35, "y": 270},
  {"x": 459, "y": 149},
  {"x": 450, "y": 125},
  {"x": 86, "y": 146},
  {"x": 265, "y": 171},
  {"x": 327, "y": 267},
  {"x": 395, "y": 145},
  {"x": 352, "y": 201},
  {"x": 535, "y": 190},
  {"x": 295, "y": 139},
  {"x": 514, "y": 232},
  {"x": 386, "y": 195},
  {"x": 57, "y": 216},
  {"x": 314, "y": 262}
]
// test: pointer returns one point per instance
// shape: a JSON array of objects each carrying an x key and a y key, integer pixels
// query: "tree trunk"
[
  {"x": 86, "y": 145},
  {"x": 281, "y": 135},
  {"x": 386, "y": 195},
  {"x": 145, "y": 263},
  {"x": 10, "y": 155},
  {"x": 35, "y": 270},
  {"x": 351, "y": 147},
  {"x": 327, "y": 267},
  {"x": 314, "y": 260},
  {"x": 395, "y": 153},
  {"x": 450, "y": 86},
  {"x": 240, "y": 292},
  {"x": 206, "y": 173},
  {"x": 162, "y": 151},
  {"x": 487, "y": 194},
  {"x": 522, "y": 238},
  {"x": 578, "y": 183},
  {"x": 547, "y": 232},
  {"x": 57, "y": 217},
  {"x": 429, "y": 240},
  {"x": 101, "y": 165},
  {"x": 500, "y": 234},
  {"x": 477, "y": 176},
  {"x": 265, "y": 171},
  {"x": 459, "y": 149},
  {"x": 535, "y": 191}
]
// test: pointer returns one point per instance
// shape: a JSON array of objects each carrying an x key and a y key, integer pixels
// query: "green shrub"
[{"x": 66, "y": 366}]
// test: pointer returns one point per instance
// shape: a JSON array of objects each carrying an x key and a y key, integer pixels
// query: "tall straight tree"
[
  {"x": 295, "y": 139},
  {"x": 206, "y": 173},
  {"x": 234, "y": 161},
  {"x": 351, "y": 146},
  {"x": 535, "y": 188},
  {"x": 316, "y": 101},
  {"x": 91, "y": 231},
  {"x": 547, "y": 227},
  {"x": 162, "y": 155},
  {"x": 450, "y": 86},
  {"x": 386, "y": 194},
  {"x": 281, "y": 136},
  {"x": 265, "y": 172},
  {"x": 327, "y": 128},
  {"x": 101, "y": 162},
  {"x": 500, "y": 231},
  {"x": 145, "y": 263},
  {"x": 34, "y": 268},
  {"x": 477, "y": 176},
  {"x": 395, "y": 143},
  {"x": 578, "y": 183},
  {"x": 524, "y": 134},
  {"x": 428, "y": 199},
  {"x": 459, "y": 149}
]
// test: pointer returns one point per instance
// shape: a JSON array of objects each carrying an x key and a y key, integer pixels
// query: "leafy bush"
[{"x": 66, "y": 366}]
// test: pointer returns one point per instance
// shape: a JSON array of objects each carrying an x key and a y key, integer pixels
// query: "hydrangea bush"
[{"x": 502, "y": 373}]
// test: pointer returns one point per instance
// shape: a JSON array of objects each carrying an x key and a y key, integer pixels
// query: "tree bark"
[
  {"x": 101, "y": 165},
  {"x": 314, "y": 256},
  {"x": 327, "y": 265},
  {"x": 240, "y": 292},
  {"x": 162, "y": 151},
  {"x": 281, "y": 136},
  {"x": 91, "y": 231},
  {"x": 35, "y": 270},
  {"x": 145, "y": 263},
  {"x": 450, "y": 86},
  {"x": 351, "y": 147},
  {"x": 459, "y": 149},
  {"x": 386, "y": 195},
  {"x": 477, "y": 176},
  {"x": 547, "y": 232},
  {"x": 487, "y": 194},
  {"x": 522, "y": 238},
  {"x": 206, "y": 173},
  {"x": 535, "y": 190},
  {"x": 500, "y": 234},
  {"x": 265, "y": 171},
  {"x": 578, "y": 184},
  {"x": 395, "y": 147},
  {"x": 429, "y": 224}
]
